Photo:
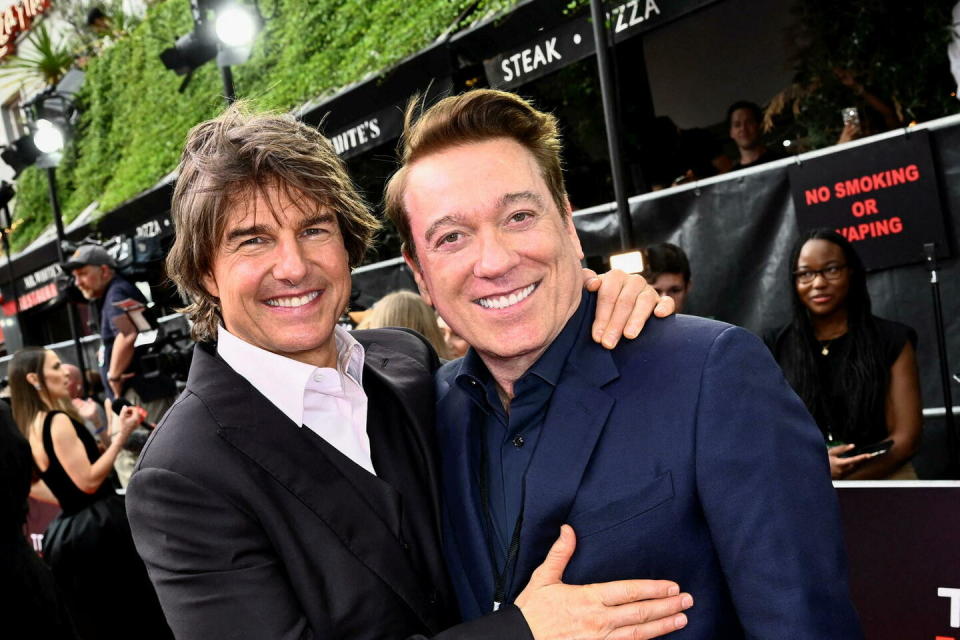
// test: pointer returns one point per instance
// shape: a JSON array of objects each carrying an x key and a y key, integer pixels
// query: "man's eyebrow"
[
  {"x": 258, "y": 229},
  {"x": 244, "y": 232},
  {"x": 453, "y": 218},
  {"x": 318, "y": 219},
  {"x": 520, "y": 196}
]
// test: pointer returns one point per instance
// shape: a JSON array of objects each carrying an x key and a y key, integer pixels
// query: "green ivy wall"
[{"x": 134, "y": 121}]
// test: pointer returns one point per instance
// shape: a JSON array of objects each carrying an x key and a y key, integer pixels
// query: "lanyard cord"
[{"x": 499, "y": 576}]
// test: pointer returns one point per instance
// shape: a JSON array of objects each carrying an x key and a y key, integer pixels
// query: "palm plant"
[{"x": 42, "y": 62}]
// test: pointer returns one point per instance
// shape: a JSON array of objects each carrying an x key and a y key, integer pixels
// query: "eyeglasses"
[{"x": 809, "y": 275}]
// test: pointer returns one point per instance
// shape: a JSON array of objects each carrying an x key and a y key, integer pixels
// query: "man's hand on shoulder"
[
  {"x": 622, "y": 610},
  {"x": 624, "y": 303}
]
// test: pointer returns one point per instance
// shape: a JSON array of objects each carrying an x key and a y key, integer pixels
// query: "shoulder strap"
[{"x": 47, "y": 438}]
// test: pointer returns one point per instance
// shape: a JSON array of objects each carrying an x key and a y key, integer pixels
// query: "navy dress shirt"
[{"x": 510, "y": 437}]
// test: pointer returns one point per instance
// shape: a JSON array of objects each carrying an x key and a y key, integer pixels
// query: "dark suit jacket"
[
  {"x": 253, "y": 527},
  {"x": 680, "y": 455}
]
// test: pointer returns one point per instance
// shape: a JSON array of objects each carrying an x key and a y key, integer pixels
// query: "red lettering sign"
[{"x": 16, "y": 19}]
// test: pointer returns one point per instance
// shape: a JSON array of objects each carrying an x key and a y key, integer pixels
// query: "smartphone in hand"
[{"x": 877, "y": 448}]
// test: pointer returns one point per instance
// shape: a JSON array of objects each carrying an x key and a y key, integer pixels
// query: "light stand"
[
  {"x": 6, "y": 194},
  {"x": 61, "y": 258},
  {"x": 51, "y": 113},
  {"x": 930, "y": 258}
]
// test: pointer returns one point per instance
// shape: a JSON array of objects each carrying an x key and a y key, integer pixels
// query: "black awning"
[
  {"x": 540, "y": 36},
  {"x": 370, "y": 113}
]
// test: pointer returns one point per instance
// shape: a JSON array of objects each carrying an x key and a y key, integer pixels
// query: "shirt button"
[
  {"x": 518, "y": 441},
  {"x": 318, "y": 377}
]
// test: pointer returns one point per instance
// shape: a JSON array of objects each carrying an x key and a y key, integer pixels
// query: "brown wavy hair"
[
  {"x": 475, "y": 116},
  {"x": 225, "y": 162}
]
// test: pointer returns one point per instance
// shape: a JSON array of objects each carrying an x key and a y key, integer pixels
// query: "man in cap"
[{"x": 95, "y": 274}]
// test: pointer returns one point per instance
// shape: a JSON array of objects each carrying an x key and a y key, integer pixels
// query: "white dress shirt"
[{"x": 330, "y": 402}]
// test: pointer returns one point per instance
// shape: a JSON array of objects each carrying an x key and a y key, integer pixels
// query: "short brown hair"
[
  {"x": 224, "y": 161},
  {"x": 475, "y": 116}
]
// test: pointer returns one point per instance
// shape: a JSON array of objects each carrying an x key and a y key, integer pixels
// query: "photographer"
[{"x": 94, "y": 273}]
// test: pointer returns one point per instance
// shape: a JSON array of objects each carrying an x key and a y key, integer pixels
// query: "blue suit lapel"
[
  {"x": 460, "y": 442},
  {"x": 575, "y": 419}
]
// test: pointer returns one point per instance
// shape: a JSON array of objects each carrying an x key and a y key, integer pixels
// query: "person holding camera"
[{"x": 95, "y": 275}]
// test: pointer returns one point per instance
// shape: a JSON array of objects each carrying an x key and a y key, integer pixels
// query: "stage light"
[
  {"x": 48, "y": 138},
  {"x": 630, "y": 262},
  {"x": 237, "y": 26},
  {"x": 20, "y": 154},
  {"x": 190, "y": 52}
]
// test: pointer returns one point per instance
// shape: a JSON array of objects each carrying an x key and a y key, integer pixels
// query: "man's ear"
[
  {"x": 210, "y": 285},
  {"x": 417, "y": 275},
  {"x": 571, "y": 229}
]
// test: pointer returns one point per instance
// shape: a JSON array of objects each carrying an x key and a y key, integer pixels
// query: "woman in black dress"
[
  {"x": 857, "y": 373},
  {"x": 88, "y": 546},
  {"x": 32, "y": 604}
]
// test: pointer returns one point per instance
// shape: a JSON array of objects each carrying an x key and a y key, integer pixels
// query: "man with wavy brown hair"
[{"x": 291, "y": 492}]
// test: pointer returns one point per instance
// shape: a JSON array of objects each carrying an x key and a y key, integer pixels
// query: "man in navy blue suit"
[{"x": 682, "y": 454}]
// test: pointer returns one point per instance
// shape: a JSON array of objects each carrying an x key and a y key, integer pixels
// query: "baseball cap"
[{"x": 88, "y": 254}]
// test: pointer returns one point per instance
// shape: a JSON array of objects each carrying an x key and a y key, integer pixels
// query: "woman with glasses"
[{"x": 857, "y": 373}]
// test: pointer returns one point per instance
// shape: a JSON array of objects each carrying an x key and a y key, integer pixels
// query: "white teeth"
[
  {"x": 502, "y": 302},
  {"x": 293, "y": 301}
]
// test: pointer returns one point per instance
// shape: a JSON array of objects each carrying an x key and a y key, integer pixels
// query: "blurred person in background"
[
  {"x": 667, "y": 270},
  {"x": 407, "y": 309},
  {"x": 94, "y": 274},
  {"x": 856, "y": 373},
  {"x": 32, "y": 603},
  {"x": 88, "y": 546},
  {"x": 456, "y": 346},
  {"x": 745, "y": 119},
  {"x": 89, "y": 409}
]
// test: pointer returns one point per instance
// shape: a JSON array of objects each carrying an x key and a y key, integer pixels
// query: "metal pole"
[
  {"x": 6, "y": 251},
  {"x": 611, "y": 121},
  {"x": 61, "y": 258},
  {"x": 952, "y": 453},
  {"x": 228, "y": 90}
]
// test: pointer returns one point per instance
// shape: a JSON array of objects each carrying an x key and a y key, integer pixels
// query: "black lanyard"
[{"x": 499, "y": 576}]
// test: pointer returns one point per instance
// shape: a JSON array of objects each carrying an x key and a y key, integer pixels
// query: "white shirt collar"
[{"x": 283, "y": 381}]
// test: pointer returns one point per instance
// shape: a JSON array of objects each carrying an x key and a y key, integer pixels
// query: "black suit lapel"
[{"x": 358, "y": 513}]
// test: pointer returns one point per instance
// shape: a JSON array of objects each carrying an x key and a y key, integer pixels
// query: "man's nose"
[
  {"x": 291, "y": 264},
  {"x": 495, "y": 256}
]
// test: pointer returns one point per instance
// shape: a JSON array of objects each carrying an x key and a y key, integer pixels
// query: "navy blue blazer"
[{"x": 681, "y": 455}]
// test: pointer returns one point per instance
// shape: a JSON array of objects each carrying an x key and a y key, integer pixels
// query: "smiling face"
[
  {"x": 496, "y": 259},
  {"x": 282, "y": 275},
  {"x": 821, "y": 295}
]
